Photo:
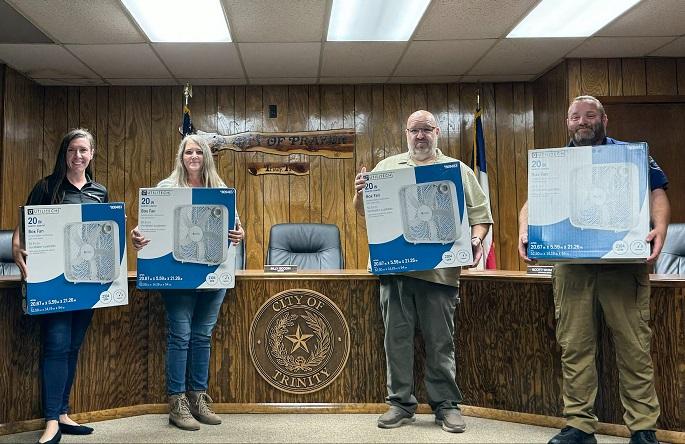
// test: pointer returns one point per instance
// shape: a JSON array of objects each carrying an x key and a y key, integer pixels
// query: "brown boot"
[
  {"x": 179, "y": 413},
  {"x": 199, "y": 407}
]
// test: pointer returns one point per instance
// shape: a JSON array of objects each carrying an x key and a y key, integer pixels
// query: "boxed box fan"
[
  {"x": 589, "y": 204},
  {"x": 188, "y": 231},
  {"x": 416, "y": 219},
  {"x": 76, "y": 257}
]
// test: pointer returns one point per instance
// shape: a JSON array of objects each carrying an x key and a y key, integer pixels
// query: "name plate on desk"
[
  {"x": 543, "y": 270},
  {"x": 280, "y": 268}
]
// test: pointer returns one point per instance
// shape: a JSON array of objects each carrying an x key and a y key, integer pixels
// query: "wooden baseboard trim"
[{"x": 276, "y": 408}]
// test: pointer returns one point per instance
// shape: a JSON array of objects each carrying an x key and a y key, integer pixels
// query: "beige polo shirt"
[{"x": 477, "y": 205}]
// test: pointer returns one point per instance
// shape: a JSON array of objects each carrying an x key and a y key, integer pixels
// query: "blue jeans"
[
  {"x": 190, "y": 319},
  {"x": 62, "y": 335}
]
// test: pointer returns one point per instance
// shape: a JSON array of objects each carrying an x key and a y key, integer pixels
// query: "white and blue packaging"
[
  {"x": 589, "y": 204},
  {"x": 76, "y": 257},
  {"x": 188, "y": 233},
  {"x": 416, "y": 219}
]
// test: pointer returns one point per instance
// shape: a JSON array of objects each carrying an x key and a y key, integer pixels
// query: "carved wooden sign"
[
  {"x": 287, "y": 168},
  {"x": 336, "y": 144}
]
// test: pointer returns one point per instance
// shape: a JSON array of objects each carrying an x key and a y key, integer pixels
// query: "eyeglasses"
[{"x": 416, "y": 131}]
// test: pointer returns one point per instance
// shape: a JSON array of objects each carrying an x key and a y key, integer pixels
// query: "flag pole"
[
  {"x": 187, "y": 92},
  {"x": 187, "y": 124}
]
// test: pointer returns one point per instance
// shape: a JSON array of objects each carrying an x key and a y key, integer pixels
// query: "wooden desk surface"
[{"x": 657, "y": 280}]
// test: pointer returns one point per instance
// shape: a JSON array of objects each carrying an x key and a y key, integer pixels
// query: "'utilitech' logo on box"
[
  {"x": 376, "y": 176},
  {"x": 547, "y": 153},
  {"x": 34, "y": 211},
  {"x": 155, "y": 192}
]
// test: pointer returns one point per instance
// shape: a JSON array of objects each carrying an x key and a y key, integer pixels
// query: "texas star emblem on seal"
[{"x": 299, "y": 341}]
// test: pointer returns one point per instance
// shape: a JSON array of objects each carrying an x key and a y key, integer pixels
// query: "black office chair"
[
  {"x": 309, "y": 246},
  {"x": 672, "y": 257},
  {"x": 7, "y": 265}
]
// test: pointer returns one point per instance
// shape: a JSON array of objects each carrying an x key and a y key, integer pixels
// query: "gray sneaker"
[
  {"x": 395, "y": 417},
  {"x": 450, "y": 420}
]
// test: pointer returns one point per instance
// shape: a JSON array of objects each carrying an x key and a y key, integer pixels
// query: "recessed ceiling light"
[
  {"x": 569, "y": 18},
  {"x": 374, "y": 20},
  {"x": 180, "y": 20}
]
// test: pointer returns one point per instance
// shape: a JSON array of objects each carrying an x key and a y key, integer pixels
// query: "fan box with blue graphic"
[
  {"x": 416, "y": 219},
  {"x": 189, "y": 246},
  {"x": 589, "y": 204},
  {"x": 76, "y": 257}
]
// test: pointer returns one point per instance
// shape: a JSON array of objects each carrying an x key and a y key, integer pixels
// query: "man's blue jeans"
[
  {"x": 62, "y": 335},
  {"x": 190, "y": 317}
]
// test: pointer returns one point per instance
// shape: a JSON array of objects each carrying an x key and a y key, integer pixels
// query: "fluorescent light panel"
[
  {"x": 180, "y": 20},
  {"x": 374, "y": 20},
  {"x": 569, "y": 18}
]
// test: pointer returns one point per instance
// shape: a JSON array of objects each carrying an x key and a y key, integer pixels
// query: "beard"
[
  {"x": 424, "y": 152},
  {"x": 589, "y": 134}
]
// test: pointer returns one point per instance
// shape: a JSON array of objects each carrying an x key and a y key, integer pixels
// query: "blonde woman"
[{"x": 191, "y": 314}]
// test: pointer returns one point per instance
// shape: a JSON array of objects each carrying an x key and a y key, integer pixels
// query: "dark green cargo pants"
[
  {"x": 621, "y": 292},
  {"x": 408, "y": 303}
]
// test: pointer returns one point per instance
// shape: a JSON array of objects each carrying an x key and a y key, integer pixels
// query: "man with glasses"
[
  {"x": 620, "y": 292},
  {"x": 425, "y": 299}
]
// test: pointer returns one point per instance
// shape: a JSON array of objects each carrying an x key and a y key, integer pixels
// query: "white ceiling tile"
[
  {"x": 674, "y": 49},
  {"x": 649, "y": 18},
  {"x": 71, "y": 82},
  {"x": 471, "y": 19},
  {"x": 81, "y": 21},
  {"x": 283, "y": 81},
  {"x": 429, "y": 79},
  {"x": 524, "y": 56},
  {"x": 44, "y": 61},
  {"x": 498, "y": 79},
  {"x": 142, "y": 82},
  {"x": 276, "y": 20},
  {"x": 434, "y": 58},
  {"x": 351, "y": 80},
  {"x": 360, "y": 59},
  {"x": 204, "y": 60},
  {"x": 222, "y": 82},
  {"x": 283, "y": 59},
  {"x": 136, "y": 61},
  {"x": 599, "y": 47}
]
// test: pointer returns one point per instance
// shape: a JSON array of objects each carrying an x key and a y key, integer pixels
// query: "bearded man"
[
  {"x": 425, "y": 299},
  {"x": 619, "y": 292}
]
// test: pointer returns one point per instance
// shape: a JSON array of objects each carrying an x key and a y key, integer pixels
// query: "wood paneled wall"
[{"x": 136, "y": 130}]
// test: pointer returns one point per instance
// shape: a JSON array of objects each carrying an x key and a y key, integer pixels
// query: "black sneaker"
[
  {"x": 571, "y": 435},
  {"x": 395, "y": 417},
  {"x": 644, "y": 437}
]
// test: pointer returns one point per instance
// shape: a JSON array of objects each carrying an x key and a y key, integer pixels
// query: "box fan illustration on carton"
[
  {"x": 430, "y": 212},
  {"x": 611, "y": 202},
  {"x": 201, "y": 234},
  {"x": 92, "y": 251}
]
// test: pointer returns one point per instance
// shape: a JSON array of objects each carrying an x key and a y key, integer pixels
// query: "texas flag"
[{"x": 480, "y": 168}]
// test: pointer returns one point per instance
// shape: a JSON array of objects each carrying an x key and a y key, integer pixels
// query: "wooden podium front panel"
[
  {"x": 233, "y": 377},
  {"x": 506, "y": 351}
]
